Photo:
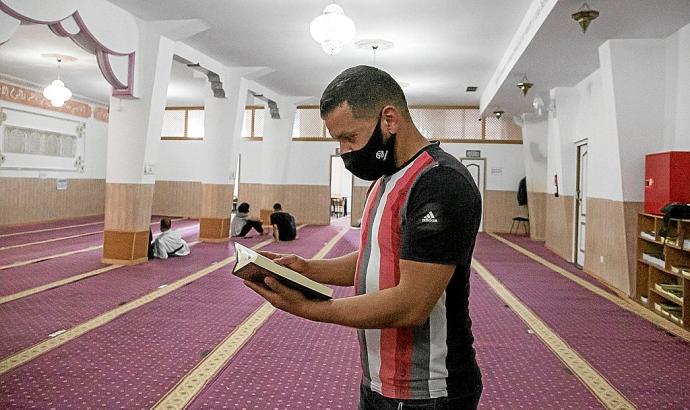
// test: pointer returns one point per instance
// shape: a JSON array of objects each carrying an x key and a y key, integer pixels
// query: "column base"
[
  {"x": 214, "y": 230},
  {"x": 125, "y": 248}
]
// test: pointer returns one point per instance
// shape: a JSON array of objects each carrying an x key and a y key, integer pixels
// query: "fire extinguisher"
[{"x": 555, "y": 182}]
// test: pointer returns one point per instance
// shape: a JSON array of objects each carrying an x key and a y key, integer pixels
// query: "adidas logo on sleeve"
[{"x": 429, "y": 217}]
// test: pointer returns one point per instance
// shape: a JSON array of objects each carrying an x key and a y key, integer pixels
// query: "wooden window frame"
[
  {"x": 185, "y": 137},
  {"x": 323, "y": 137},
  {"x": 482, "y": 140},
  {"x": 252, "y": 131}
]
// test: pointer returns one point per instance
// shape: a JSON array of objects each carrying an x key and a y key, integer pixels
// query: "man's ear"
[{"x": 392, "y": 119}]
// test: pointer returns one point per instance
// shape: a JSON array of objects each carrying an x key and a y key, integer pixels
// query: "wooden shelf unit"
[{"x": 675, "y": 252}]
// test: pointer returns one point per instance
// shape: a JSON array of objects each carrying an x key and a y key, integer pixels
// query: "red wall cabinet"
[{"x": 667, "y": 179}]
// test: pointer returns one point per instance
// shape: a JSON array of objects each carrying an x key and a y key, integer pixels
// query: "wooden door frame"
[
  {"x": 483, "y": 190},
  {"x": 330, "y": 186},
  {"x": 238, "y": 171},
  {"x": 576, "y": 222}
]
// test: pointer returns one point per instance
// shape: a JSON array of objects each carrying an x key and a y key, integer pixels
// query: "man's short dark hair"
[
  {"x": 165, "y": 224},
  {"x": 244, "y": 207},
  {"x": 367, "y": 90},
  {"x": 277, "y": 207}
]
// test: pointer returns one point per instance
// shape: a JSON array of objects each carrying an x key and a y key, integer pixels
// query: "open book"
[{"x": 252, "y": 266}]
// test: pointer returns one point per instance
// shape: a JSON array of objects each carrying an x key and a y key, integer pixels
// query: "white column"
[
  {"x": 222, "y": 127},
  {"x": 133, "y": 135}
]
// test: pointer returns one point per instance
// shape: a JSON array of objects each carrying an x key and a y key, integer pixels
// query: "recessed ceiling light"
[
  {"x": 471, "y": 88},
  {"x": 374, "y": 44},
  {"x": 63, "y": 57}
]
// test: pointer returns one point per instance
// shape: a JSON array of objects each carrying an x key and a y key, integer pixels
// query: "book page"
[
  {"x": 255, "y": 267},
  {"x": 243, "y": 256}
]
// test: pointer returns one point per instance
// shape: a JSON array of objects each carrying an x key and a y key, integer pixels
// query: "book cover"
[{"x": 251, "y": 265}]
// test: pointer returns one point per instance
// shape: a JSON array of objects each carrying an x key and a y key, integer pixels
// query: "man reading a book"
[{"x": 411, "y": 273}]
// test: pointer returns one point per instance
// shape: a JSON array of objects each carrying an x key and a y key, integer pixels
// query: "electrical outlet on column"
[{"x": 148, "y": 168}]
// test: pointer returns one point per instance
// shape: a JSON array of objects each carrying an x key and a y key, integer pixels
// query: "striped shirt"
[{"x": 427, "y": 211}]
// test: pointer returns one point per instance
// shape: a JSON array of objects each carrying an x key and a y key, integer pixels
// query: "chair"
[
  {"x": 522, "y": 201},
  {"x": 337, "y": 206},
  {"x": 520, "y": 221}
]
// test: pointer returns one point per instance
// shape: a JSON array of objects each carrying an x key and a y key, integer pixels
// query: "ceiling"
[
  {"x": 440, "y": 47},
  {"x": 560, "y": 55},
  {"x": 21, "y": 58}
]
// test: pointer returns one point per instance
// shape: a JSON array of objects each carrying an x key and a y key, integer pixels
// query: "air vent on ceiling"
[{"x": 471, "y": 88}]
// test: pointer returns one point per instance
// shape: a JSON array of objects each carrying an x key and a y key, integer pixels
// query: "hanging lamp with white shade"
[
  {"x": 332, "y": 29},
  {"x": 56, "y": 92}
]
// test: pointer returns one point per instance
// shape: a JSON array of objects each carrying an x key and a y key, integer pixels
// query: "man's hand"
[
  {"x": 293, "y": 262},
  {"x": 282, "y": 297}
]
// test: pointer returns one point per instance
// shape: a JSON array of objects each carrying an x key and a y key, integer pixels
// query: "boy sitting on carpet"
[{"x": 168, "y": 243}]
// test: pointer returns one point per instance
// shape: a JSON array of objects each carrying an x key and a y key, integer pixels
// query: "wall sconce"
[
  {"x": 498, "y": 113},
  {"x": 540, "y": 106},
  {"x": 584, "y": 16},
  {"x": 524, "y": 85}
]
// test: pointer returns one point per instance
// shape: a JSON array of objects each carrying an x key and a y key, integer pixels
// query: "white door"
[
  {"x": 581, "y": 204},
  {"x": 477, "y": 168}
]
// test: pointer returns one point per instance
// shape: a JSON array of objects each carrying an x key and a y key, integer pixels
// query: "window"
[
  {"x": 308, "y": 125},
  {"x": 253, "y": 123},
  {"x": 183, "y": 123},
  {"x": 503, "y": 129},
  {"x": 438, "y": 123},
  {"x": 447, "y": 123}
]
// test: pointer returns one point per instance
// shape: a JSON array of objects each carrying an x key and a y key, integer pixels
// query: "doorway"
[
  {"x": 236, "y": 185},
  {"x": 581, "y": 205},
  {"x": 477, "y": 168},
  {"x": 341, "y": 192}
]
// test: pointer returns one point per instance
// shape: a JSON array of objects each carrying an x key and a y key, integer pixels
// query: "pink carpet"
[
  {"x": 16, "y": 279},
  {"x": 643, "y": 362},
  {"x": 538, "y": 248},
  {"x": 48, "y": 225},
  {"x": 34, "y": 317},
  {"x": 9, "y": 256},
  {"x": 161, "y": 341},
  {"x": 293, "y": 363}
]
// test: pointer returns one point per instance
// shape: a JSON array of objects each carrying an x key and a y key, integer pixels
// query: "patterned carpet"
[
  {"x": 291, "y": 363},
  {"x": 19, "y": 278},
  {"x": 6, "y": 230},
  {"x": 36, "y": 316},
  {"x": 12, "y": 255},
  {"x": 643, "y": 362},
  {"x": 135, "y": 359}
]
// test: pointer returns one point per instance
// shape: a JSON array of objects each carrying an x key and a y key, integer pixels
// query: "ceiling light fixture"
[
  {"x": 584, "y": 15},
  {"x": 56, "y": 92},
  {"x": 524, "y": 85},
  {"x": 332, "y": 29},
  {"x": 375, "y": 45}
]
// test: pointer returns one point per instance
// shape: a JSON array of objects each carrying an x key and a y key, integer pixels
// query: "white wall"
[
  {"x": 310, "y": 162},
  {"x": 95, "y": 139},
  {"x": 638, "y": 77},
  {"x": 535, "y": 145},
  {"x": 179, "y": 160},
  {"x": 677, "y": 101},
  {"x": 620, "y": 110},
  {"x": 504, "y": 164}
]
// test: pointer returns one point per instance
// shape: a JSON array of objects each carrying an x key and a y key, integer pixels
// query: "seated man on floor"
[
  {"x": 169, "y": 242},
  {"x": 243, "y": 222},
  {"x": 283, "y": 224}
]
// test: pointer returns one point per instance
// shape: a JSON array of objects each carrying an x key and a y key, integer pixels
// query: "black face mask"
[{"x": 375, "y": 159}]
